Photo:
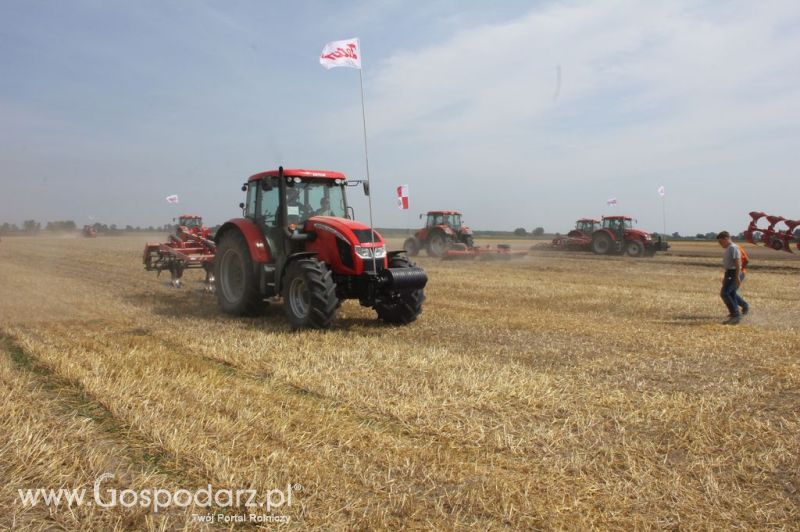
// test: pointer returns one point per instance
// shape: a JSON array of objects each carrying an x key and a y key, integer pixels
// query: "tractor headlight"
[{"x": 366, "y": 253}]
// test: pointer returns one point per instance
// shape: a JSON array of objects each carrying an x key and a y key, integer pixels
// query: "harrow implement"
[
  {"x": 776, "y": 236},
  {"x": 186, "y": 250},
  {"x": 501, "y": 252}
]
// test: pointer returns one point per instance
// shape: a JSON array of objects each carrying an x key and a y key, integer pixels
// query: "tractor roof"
[
  {"x": 444, "y": 212},
  {"x": 617, "y": 217},
  {"x": 190, "y": 216},
  {"x": 592, "y": 220},
  {"x": 297, "y": 172}
]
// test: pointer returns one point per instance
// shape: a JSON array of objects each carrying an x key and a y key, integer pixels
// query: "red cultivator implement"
[
  {"x": 188, "y": 248},
  {"x": 778, "y": 235},
  {"x": 501, "y": 252}
]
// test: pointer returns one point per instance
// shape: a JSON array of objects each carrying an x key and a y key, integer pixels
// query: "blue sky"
[{"x": 108, "y": 107}]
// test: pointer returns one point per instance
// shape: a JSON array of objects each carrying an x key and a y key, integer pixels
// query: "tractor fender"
[
  {"x": 259, "y": 250},
  {"x": 279, "y": 274}
]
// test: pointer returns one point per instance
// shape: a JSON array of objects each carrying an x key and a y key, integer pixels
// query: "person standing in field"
[{"x": 734, "y": 275}]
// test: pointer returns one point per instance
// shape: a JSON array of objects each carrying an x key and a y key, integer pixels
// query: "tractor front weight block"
[{"x": 403, "y": 278}]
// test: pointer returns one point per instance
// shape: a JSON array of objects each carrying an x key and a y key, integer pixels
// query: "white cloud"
[{"x": 650, "y": 90}]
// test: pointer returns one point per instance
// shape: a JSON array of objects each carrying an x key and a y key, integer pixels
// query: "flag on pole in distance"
[
  {"x": 173, "y": 199},
  {"x": 346, "y": 53},
  {"x": 402, "y": 197},
  {"x": 611, "y": 202},
  {"x": 662, "y": 191}
]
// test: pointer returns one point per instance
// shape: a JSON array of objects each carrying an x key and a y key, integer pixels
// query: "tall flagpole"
[
  {"x": 664, "y": 213},
  {"x": 366, "y": 161}
]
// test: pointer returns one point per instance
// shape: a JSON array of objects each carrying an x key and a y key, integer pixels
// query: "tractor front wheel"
[
  {"x": 469, "y": 241},
  {"x": 438, "y": 244},
  {"x": 411, "y": 246},
  {"x": 309, "y": 295},
  {"x": 602, "y": 244},
  {"x": 401, "y": 307},
  {"x": 634, "y": 248},
  {"x": 234, "y": 276}
]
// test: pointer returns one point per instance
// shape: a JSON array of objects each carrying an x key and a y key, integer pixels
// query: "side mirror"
[
  {"x": 366, "y": 188},
  {"x": 241, "y": 205},
  {"x": 244, "y": 187}
]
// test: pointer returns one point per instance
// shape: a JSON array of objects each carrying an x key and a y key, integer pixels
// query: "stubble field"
[{"x": 557, "y": 391}]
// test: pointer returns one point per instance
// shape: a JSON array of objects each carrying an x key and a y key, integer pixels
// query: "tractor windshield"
[
  {"x": 190, "y": 222},
  {"x": 320, "y": 197},
  {"x": 453, "y": 220},
  {"x": 617, "y": 224}
]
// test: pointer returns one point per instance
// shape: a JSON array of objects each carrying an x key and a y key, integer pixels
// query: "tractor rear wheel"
[
  {"x": 602, "y": 244},
  {"x": 234, "y": 276},
  {"x": 309, "y": 294},
  {"x": 438, "y": 243},
  {"x": 402, "y": 306},
  {"x": 634, "y": 248},
  {"x": 411, "y": 246}
]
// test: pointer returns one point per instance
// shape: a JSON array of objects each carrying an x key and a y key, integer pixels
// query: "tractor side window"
[
  {"x": 250, "y": 204},
  {"x": 431, "y": 220},
  {"x": 270, "y": 205}
]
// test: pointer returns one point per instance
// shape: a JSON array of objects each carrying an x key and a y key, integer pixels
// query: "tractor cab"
[
  {"x": 190, "y": 221},
  {"x": 587, "y": 226},
  {"x": 450, "y": 219},
  {"x": 617, "y": 224}
]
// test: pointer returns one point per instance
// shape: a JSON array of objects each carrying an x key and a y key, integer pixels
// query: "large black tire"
[
  {"x": 235, "y": 280},
  {"x": 438, "y": 243},
  {"x": 411, "y": 246},
  {"x": 309, "y": 295},
  {"x": 634, "y": 248},
  {"x": 403, "y": 306},
  {"x": 602, "y": 243}
]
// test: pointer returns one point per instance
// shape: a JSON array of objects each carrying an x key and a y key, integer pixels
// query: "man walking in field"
[{"x": 734, "y": 275}]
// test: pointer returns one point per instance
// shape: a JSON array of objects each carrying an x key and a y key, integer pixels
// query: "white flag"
[
  {"x": 662, "y": 191},
  {"x": 611, "y": 202},
  {"x": 173, "y": 199},
  {"x": 402, "y": 197},
  {"x": 346, "y": 53}
]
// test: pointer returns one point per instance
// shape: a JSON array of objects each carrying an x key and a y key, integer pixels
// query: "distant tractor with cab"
[
  {"x": 579, "y": 238},
  {"x": 609, "y": 236},
  {"x": 617, "y": 235},
  {"x": 297, "y": 239},
  {"x": 443, "y": 231}
]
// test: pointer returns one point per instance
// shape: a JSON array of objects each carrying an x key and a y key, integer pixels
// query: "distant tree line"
[{"x": 32, "y": 227}]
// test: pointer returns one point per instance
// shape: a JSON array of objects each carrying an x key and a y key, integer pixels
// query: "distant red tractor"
[
  {"x": 297, "y": 240},
  {"x": 443, "y": 230},
  {"x": 611, "y": 235},
  {"x": 191, "y": 224},
  {"x": 89, "y": 231}
]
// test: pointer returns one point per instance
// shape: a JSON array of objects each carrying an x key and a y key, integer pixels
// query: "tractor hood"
[
  {"x": 637, "y": 234},
  {"x": 348, "y": 230}
]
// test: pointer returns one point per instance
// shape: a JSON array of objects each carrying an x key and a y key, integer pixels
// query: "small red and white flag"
[
  {"x": 173, "y": 199},
  {"x": 346, "y": 53},
  {"x": 611, "y": 202},
  {"x": 402, "y": 197},
  {"x": 662, "y": 191}
]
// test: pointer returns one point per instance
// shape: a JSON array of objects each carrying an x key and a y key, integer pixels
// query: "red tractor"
[
  {"x": 442, "y": 231},
  {"x": 580, "y": 238},
  {"x": 612, "y": 235},
  {"x": 297, "y": 239},
  {"x": 89, "y": 231},
  {"x": 617, "y": 235},
  {"x": 191, "y": 224}
]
